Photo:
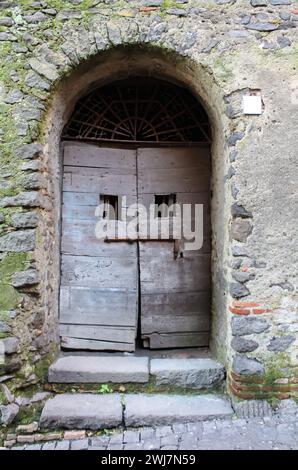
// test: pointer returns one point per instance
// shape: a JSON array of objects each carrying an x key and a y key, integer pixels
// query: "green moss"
[
  {"x": 11, "y": 263},
  {"x": 3, "y": 400},
  {"x": 274, "y": 368},
  {"x": 149, "y": 387},
  {"x": 42, "y": 367},
  {"x": 28, "y": 414}
]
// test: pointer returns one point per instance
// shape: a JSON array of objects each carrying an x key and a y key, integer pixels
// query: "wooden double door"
[{"x": 117, "y": 293}]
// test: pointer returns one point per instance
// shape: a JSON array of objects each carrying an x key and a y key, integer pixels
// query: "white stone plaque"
[{"x": 252, "y": 104}]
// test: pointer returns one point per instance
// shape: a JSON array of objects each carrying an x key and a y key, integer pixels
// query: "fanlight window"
[{"x": 140, "y": 111}]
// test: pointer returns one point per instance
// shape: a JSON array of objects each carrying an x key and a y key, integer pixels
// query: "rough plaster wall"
[{"x": 226, "y": 49}]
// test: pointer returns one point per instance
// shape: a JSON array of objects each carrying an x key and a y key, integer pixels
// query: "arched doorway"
[{"x": 135, "y": 141}]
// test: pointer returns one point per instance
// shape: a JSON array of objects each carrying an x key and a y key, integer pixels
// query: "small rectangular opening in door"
[
  {"x": 162, "y": 204},
  {"x": 111, "y": 206}
]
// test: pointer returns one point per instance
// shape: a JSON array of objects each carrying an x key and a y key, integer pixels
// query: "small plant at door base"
[{"x": 104, "y": 388}]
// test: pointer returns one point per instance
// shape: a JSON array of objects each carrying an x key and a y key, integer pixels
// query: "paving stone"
[
  {"x": 80, "y": 444},
  {"x": 169, "y": 440},
  {"x": 192, "y": 373},
  {"x": 49, "y": 446},
  {"x": 90, "y": 369},
  {"x": 188, "y": 444},
  {"x": 195, "y": 428},
  {"x": 116, "y": 439},
  {"x": 100, "y": 448},
  {"x": 33, "y": 447},
  {"x": 115, "y": 447},
  {"x": 131, "y": 437},
  {"x": 152, "y": 444},
  {"x": 147, "y": 433},
  {"x": 135, "y": 446},
  {"x": 252, "y": 408},
  {"x": 62, "y": 445},
  {"x": 167, "y": 409},
  {"x": 100, "y": 441},
  {"x": 179, "y": 428},
  {"x": 162, "y": 431},
  {"x": 82, "y": 411}
]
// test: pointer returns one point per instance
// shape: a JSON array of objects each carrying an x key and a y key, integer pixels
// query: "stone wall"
[{"x": 51, "y": 52}]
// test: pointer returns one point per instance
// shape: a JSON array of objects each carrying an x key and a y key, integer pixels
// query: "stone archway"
[{"x": 122, "y": 63}]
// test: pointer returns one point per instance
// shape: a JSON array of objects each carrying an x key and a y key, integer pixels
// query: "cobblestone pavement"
[{"x": 276, "y": 432}]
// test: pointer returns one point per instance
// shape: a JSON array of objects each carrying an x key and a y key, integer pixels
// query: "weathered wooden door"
[
  {"x": 174, "y": 288},
  {"x": 99, "y": 281},
  {"x": 104, "y": 284}
]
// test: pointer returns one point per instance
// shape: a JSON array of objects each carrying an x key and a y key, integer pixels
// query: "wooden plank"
[
  {"x": 79, "y": 239},
  {"x": 182, "y": 340},
  {"x": 99, "y": 272},
  {"x": 77, "y": 198},
  {"x": 103, "y": 333},
  {"x": 98, "y": 157},
  {"x": 79, "y": 212},
  {"x": 98, "y": 307},
  {"x": 93, "y": 345},
  {"x": 173, "y": 180},
  {"x": 176, "y": 303},
  {"x": 174, "y": 323},
  {"x": 101, "y": 181},
  {"x": 181, "y": 275},
  {"x": 156, "y": 157}
]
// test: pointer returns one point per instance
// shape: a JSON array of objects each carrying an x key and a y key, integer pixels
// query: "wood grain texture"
[
  {"x": 89, "y": 155},
  {"x": 99, "y": 282},
  {"x": 91, "y": 306},
  {"x": 94, "y": 345},
  {"x": 175, "y": 291},
  {"x": 181, "y": 340}
]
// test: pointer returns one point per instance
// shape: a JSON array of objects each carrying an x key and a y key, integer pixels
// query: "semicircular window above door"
[{"x": 139, "y": 110}]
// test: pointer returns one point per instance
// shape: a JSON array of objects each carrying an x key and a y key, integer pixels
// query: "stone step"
[
  {"x": 99, "y": 369},
  {"x": 187, "y": 373},
  {"x": 149, "y": 410},
  {"x": 194, "y": 373},
  {"x": 92, "y": 411},
  {"x": 82, "y": 411}
]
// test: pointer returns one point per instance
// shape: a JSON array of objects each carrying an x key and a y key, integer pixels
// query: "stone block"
[
  {"x": 187, "y": 373},
  {"x": 244, "y": 365},
  {"x": 100, "y": 369},
  {"x": 82, "y": 411},
  {"x": 248, "y": 325},
  {"x": 153, "y": 410}
]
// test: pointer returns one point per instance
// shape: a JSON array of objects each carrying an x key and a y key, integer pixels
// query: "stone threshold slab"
[
  {"x": 194, "y": 373},
  {"x": 92, "y": 411},
  {"x": 94, "y": 369}
]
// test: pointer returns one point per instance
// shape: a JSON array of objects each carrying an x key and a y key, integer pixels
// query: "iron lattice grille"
[{"x": 139, "y": 110}]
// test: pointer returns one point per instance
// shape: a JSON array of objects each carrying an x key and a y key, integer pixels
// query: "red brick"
[
  {"x": 241, "y": 303},
  {"x": 148, "y": 8},
  {"x": 259, "y": 311},
  {"x": 239, "y": 311},
  {"x": 282, "y": 396},
  {"x": 70, "y": 435}
]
